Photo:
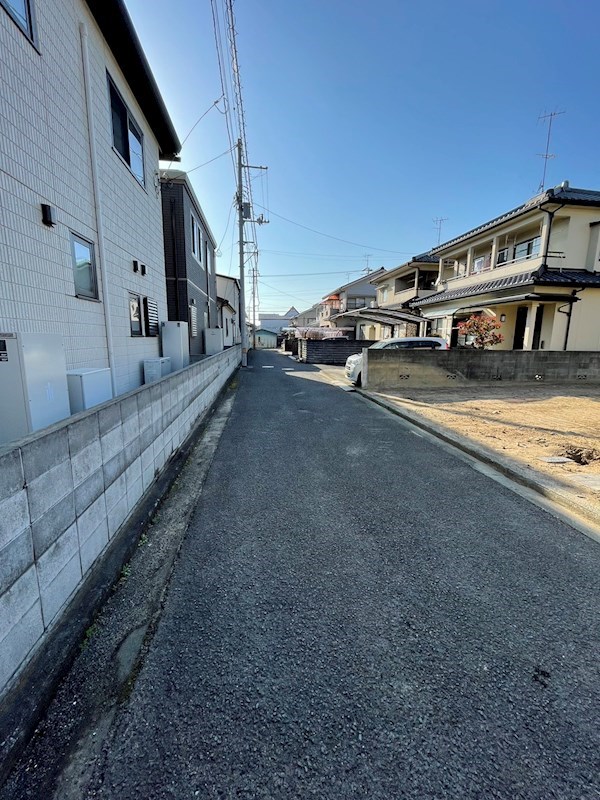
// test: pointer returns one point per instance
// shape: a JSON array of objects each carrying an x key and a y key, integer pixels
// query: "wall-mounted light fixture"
[
  {"x": 502, "y": 317},
  {"x": 48, "y": 215}
]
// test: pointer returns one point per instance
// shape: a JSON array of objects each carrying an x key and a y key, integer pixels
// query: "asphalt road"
[{"x": 358, "y": 613}]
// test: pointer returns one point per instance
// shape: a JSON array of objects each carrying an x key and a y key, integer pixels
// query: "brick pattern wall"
[
  {"x": 384, "y": 367},
  {"x": 330, "y": 351},
  {"x": 45, "y": 158},
  {"x": 65, "y": 493}
]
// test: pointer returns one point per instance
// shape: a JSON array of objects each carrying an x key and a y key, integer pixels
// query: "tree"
[{"x": 483, "y": 330}]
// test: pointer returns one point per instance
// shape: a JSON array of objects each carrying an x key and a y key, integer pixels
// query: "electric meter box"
[
  {"x": 175, "y": 343},
  {"x": 88, "y": 387},
  {"x": 33, "y": 377}
]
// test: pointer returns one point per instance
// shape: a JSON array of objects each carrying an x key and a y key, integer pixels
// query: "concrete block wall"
[
  {"x": 392, "y": 369},
  {"x": 66, "y": 491},
  {"x": 330, "y": 351}
]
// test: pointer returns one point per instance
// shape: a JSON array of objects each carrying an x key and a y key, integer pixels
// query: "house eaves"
[
  {"x": 387, "y": 316},
  {"x": 117, "y": 28},
  {"x": 409, "y": 266},
  {"x": 560, "y": 195},
  {"x": 539, "y": 277}
]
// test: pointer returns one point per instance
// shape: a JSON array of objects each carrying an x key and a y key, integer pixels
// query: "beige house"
[
  {"x": 535, "y": 269},
  {"x": 349, "y": 297}
]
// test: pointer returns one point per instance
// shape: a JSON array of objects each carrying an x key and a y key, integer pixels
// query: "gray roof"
[
  {"x": 562, "y": 194},
  {"x": 426, "y": 258},
  {"x": 117, "y": 28},
  {"x": 539, "y": 277}
]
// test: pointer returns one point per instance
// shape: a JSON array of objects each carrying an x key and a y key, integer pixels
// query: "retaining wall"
[
  {"x": 330, "y": 351},
  {"x": 66, "y": 491},
  {"x": 393, "y": 369}
]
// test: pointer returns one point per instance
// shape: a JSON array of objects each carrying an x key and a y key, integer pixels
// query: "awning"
[{"x": 521, "y": 298}]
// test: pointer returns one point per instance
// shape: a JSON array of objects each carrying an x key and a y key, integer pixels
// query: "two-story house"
[
  {"x": 535, "y": 269},
  {"x": 82, "y": 129},
  {"x": 347, "y": 298},
  {"x": 189, "y": 260},
  {"x": 306, "y": 319}
]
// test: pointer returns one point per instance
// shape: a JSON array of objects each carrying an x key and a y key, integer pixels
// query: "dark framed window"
[
  {"x": 196, "y": 239},
  {"x": 84, "y": 268},
  {"x": 21, "y": 12},
  {"x": 135, "y": 315},
  {"x": 528, "y": 249},
  {"x": 128, "y": 140}
]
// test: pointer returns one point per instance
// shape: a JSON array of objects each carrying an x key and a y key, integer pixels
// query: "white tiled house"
[{"x": 82, "y": 126}]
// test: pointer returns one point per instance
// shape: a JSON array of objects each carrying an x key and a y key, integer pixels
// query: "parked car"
[{"x": 354, "y": 363}]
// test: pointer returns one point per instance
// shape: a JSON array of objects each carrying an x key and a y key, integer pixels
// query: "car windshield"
[{"x": 380, "y": 345}]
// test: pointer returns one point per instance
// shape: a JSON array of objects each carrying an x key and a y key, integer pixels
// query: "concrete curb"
[
  {"x": 26, "y": 702},
  {"x": 543, "y": 485}
]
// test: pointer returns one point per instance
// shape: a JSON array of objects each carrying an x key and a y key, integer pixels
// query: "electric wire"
[{"x": 224, "y": 153}]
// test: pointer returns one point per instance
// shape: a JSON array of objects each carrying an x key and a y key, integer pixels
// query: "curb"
[{"x": 495, "y": 460}]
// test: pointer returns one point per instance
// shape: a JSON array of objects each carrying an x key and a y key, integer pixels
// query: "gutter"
[
  {"x": 569, "y": 313},
  {"x": 101, "y": 264}
]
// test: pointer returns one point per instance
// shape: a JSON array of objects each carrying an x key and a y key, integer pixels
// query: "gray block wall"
[
  {"x": 389, "y": 368},
  {"x": 66, "y": 491}
]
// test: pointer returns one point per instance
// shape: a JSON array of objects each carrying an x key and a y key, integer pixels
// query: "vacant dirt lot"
[{"x": 526, "y": 423}]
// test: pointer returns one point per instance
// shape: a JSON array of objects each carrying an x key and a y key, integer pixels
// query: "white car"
[{"x": 354, "y": 363}]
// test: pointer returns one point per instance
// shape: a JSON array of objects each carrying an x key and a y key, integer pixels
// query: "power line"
[
  {"x": 208, "y": 162},
  {"x": 337, "y": 238}
]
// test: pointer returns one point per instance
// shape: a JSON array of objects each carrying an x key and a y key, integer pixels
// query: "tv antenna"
[
  {"x": 438, "y": 222},
  {"x": 367, "y": 268},
  {"x": 547, "y": 155}
]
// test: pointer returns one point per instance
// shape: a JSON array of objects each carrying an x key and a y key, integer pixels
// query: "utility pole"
[
  {"x": 240, "y": 199},
  {"x": 245, "y": 213}
]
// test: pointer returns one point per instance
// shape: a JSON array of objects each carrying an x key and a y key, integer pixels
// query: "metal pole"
[{"x": 243, "y": 329}]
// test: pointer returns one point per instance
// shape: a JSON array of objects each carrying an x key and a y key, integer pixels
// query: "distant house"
[
  {"x": 306, "y": 319},
  {"x": 264, "y": 339},
  {"x": 228, "y": 305},
  {"x": 189, "y": 259},
  {"x": 347, "y": 298},
  {"x": 276, "y": 322},
  {"x": 535, "y": 269},
  {"x": 81, "y": 244}
]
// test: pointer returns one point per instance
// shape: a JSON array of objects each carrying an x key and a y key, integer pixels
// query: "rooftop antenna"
[
  {"x": 438, "y": 222},
  {"x": 367, "y": 269},
  {"x": 547, "y": 155}
]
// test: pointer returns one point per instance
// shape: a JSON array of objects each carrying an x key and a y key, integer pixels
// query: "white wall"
[{"x": 45, "y": 158}]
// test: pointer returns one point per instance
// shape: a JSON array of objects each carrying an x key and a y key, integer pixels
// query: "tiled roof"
[
  {"x": 559, "y": 194},
  {"x": 426, "y": 258},
  {"x": 540, "y": 277}
]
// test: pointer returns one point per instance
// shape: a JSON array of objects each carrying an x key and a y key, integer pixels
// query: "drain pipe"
[
  {"x": 569, "y": 313},
  {"x": 101, "y": 262},
  {"x": 544, "y": 264}
]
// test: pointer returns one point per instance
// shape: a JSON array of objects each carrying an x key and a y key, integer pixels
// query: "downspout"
[
  {"x": 175, "y": 260},
  {"x": 544, "y": 264},
  {"x": 569, "y": 313},
  {"x": 97, "y": 206}
]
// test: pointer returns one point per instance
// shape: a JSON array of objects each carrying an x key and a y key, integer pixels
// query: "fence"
[
  {"x": 329, "y": 351},
  {"x": 67, "y": 491}
]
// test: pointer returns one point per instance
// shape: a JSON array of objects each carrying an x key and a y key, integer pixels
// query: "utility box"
[
  {"x": 175, "y": 344},
  {"x": 88, "y": 387},
  {"x": 33, "y": 377},
  {"x": 213, "y": 341},
  {"x": 156, "y": 368}
]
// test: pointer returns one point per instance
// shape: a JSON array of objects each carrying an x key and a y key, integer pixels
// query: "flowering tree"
[{"x": 483, "y": 330}]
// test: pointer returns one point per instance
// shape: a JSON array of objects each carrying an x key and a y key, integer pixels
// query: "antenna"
[
  {"x": 547, "y": 155},
  {"x": 438, "y": 222},
  {"x": 367, "y": 269}
]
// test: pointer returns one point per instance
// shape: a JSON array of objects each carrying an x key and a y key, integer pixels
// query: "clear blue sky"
[{"x": 375, "y": 117}]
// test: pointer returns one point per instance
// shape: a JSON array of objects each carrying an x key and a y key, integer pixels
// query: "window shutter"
[{"x": 151, "y": 316}]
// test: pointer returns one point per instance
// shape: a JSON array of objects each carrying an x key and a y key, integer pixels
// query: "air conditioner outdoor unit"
[{"x": 156, "y": 368}]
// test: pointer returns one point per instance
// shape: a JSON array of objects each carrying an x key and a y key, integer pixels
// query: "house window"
[
  {"x": 150, "y": 316},
  {"x": 502, "y": 256},
  {"x": 127, "y": 137},
  {"x": 193, "y": 321},
  {"x": 84, "y": 268},
  {"x": 135, "y": 315},
  {"x": 21, "y": 11},
  {"x": 196, "y": 239},
  {"x": 481, "y": 264},
  {"x": 528, "y": 249}
]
